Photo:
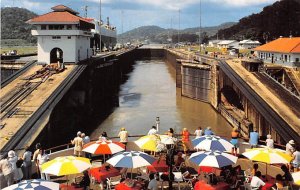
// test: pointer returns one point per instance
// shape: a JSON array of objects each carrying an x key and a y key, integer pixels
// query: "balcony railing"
[{"x": 61, "y": 33}]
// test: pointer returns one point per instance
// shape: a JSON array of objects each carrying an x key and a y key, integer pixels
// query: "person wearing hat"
[
  {"x": 185, "y": 140},
  {"x": 208, "y": 131},
  {"x": 7, "y": 171},
  {"x": 123, "y": 134},
  {"x": 13, "y": 159},
  {"x": 78, "y": 144},
  {"x": 289, "y": 148}
]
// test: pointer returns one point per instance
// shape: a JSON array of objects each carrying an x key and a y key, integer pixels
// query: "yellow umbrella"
[
  {"x": 66, "y": 165},
  {"x": 149, "y": 142},
  {"x": 268, "y": 156},
  {"x": 296, "y": 177}
]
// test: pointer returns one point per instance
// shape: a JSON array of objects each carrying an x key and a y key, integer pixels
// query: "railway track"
[
  {"x": 279, "y": 124},
  {"x": 11, "y": 101}
]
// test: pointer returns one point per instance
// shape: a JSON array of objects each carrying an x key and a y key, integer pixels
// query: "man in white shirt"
[
  {"x": 78, "y": 144},
  {"x": 6, "y": 169},
  {"x": 152, "y": 183},
  {"x": 269, "y": 141},
  {"x": 198, "y": 132},
  {"x": 256, "y": 182},
  {"x": 152, "y": 131},
  {"x": 290, "y": 147},
  {"x": 123, "y": 134},
  {"x": 42, "y": 158}
]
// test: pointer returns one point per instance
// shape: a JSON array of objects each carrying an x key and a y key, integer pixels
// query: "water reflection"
[{"x": 149, "y": 92}]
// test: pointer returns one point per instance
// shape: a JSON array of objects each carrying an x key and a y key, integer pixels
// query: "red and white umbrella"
[{"x": 103, "y": 147}]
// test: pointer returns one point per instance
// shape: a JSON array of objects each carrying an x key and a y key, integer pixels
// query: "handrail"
[{"x": 69, "y": 145}]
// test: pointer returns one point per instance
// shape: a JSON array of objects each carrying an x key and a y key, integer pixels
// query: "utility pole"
[
  {"x": 200, "y": 27},
  {"x": 122, "y": 12},
  {"x": 100, "y": 46},
  {"x": 178, "y": 25}
]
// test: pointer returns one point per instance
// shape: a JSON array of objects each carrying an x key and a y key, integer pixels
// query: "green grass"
[{"x": 20, "y": 49}]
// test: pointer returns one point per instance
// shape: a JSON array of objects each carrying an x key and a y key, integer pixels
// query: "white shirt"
[
  {"x": 270, "y": 143},
  {"x": 13, "y": 162},
  {"x": 289, "y": 149},
  {"x": 123, "y": 136},
  {"x": 296, "y": 154},
  {"x": 152, "y": 131},
  {"x": 198, "y": 133},
  {"x": 153, "y": 185},
  {"x": 5, "y": 167},
  {"x": 256, "y": 182},
  {"x": 42, "y": 158}
]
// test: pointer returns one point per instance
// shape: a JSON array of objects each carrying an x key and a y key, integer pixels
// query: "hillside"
[
  {"x": 13, "y": 24},
  {"x": 158, "y": 34},
  {"x": 280, "y": 19}
]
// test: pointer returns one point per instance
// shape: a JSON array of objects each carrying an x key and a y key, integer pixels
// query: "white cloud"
[
  {"x": 181, "y": 4},
  {"x": 102, "y": 1},
  {"x": 242, "y": 3},
  {"x": 166, "y": 4}
]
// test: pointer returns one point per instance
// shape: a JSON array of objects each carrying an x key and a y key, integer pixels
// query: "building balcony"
[{"x": 61, "y": 33}]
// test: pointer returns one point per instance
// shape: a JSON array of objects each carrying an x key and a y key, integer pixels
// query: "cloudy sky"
[{"x": 163, "y": 13}]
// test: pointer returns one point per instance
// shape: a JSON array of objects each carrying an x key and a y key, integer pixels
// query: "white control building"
[{"x": 63, "y": 36}]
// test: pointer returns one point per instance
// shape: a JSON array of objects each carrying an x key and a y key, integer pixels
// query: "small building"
[
  {"x": 213, "y": 43},
  {"x": 228, "y": 44},
  {"x": 248, "y": 44},
  {"x": 62, "y": 35},
  {"x": 285, "y": 51}
]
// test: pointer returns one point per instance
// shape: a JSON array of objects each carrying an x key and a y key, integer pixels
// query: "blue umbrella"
[
  {"x": 131, "y": 159},
  {"x": 215, "y": 159},
  {"x": 212, "y": 142},
  {"x": 35, "y": 184}
]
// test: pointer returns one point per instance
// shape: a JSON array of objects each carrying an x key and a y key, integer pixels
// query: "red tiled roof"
[
  {"x": 57, "y": 17},
  {"x": 281, "y": 45},
  {"x": 63, "y": 8}
]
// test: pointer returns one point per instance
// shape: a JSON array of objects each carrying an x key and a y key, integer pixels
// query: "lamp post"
[
  {"x": 199, "y": 27},
  {"x": 178, "y": 25},
  {"x": 157, "y": 123},
  {"x": 170, "y": 162}
]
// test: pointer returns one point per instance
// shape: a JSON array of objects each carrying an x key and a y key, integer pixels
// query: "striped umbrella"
[
  {"x": 268, "y": 155},
  {"x": 131, "y": 159},
  {"x": 148, "y": 142},
  {"x": 35, "y": 184},
  {"x": 296, "y": 177},
  {"x": 103, "y": 147},
  {"x": 66, "y": 165},
  {"x": 212, "y": 142},
  {"x": 215, "y": 159}
]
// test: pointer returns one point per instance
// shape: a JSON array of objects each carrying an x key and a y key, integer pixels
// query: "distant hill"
[
  {"x": 13, "y": 24},
  {"x": 158, "y": 34},
  {"x": 280, "y": 19}
]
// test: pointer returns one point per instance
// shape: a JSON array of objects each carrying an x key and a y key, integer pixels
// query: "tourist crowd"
[{"x": 13, "y": 168}]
